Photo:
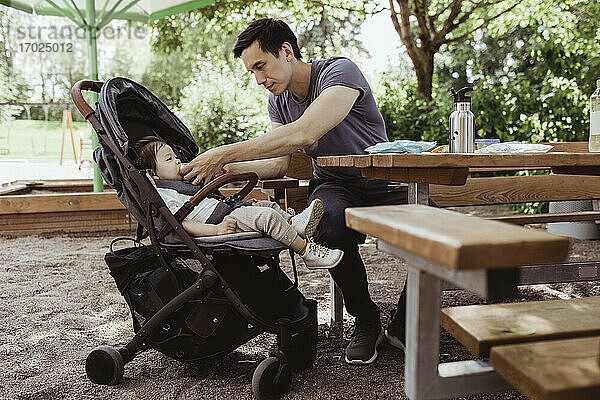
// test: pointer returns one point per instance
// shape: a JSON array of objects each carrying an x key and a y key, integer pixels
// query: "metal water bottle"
[{"x": 461, "y": 123}]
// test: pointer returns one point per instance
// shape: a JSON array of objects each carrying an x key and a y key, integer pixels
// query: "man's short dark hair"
[{"x": 270, "y": 33}]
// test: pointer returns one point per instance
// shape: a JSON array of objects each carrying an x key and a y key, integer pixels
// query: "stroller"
[{"x": 239, "y": 290}]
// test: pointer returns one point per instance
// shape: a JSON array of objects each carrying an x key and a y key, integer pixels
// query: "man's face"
[{"x": 274, "y": 73}]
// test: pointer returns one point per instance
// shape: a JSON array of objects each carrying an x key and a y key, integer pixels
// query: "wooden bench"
[
  {"x": 292, "y": 189},
  {"x": 441, "y": 245},
  {"x": 565, "y": 369},
  {"x": 522, "y": 340},
  {"x": 479, "y": 327}
]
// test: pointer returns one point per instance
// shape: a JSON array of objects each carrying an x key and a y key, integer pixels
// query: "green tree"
[{"x": 218, "y": 109}]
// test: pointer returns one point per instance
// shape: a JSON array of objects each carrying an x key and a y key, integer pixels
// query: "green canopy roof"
[{"x": 107, "y": 10}]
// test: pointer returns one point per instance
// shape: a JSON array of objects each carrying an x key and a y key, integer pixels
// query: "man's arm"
[
  {"x": 329, "y": 109},
  {"x": 265, "y": 169}
]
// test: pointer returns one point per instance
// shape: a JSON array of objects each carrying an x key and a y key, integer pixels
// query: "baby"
[{"x": 158, "y": 158}]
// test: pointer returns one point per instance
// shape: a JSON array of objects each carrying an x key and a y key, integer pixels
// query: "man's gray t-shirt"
[{"x": 362, "y": 127}]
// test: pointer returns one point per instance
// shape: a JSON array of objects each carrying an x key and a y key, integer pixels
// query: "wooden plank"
[
  {"x": 565, "y": 369},
  {"x": 570, "y": 147},
  {"x": 13, "y": 187},
  {"x": 279, "y": 183},
  {"x": 346, "y": 161},
  {"x": 577, "y": 170},
  {"x": 457, "y": 241},
  {"x": 442, "y": 176},
  {"x": 59, "y": 202},
  {"x": 517, "y": 189},
  {"x": 333, "y": 161},
  {"x": 300, "y": 166},
  {"x": 297, "y": 198},
  {"x": 474, "y": 326},
  {"x": 66, "y": 222},
  {"x": 546, "y": 218},
  {"x": 454, "y": 160},
  {"x": 361, "y": 161},
  {"x": 507, "y": 169}
]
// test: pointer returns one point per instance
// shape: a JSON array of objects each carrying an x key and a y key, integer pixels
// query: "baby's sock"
[{"x": 303, "y": 249}]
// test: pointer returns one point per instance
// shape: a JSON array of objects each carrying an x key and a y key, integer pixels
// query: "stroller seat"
[{"x": 245, "y": 241}]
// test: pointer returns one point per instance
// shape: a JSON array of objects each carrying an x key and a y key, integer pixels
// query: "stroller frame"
[{"x": 272, "y": 378}]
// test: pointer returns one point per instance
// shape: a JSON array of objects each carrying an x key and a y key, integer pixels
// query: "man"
[{"x": 322, "y": 108}]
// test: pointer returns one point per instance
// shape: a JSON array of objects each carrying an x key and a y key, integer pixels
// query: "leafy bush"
[
  {"x": 410, "y": 116},
  {"x": 218, "y": 111},
  {"x": 555, "y": 110}
]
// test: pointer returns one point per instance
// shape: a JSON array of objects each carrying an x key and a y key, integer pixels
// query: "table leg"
[
  {"x": 337, "y": 304},
  {"x": 418, "y": 193}
]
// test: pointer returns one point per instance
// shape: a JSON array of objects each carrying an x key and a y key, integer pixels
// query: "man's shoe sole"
[
  {"x": 314, "y": 219},
  {"x": 370, "y": 360},
  {"x": 394, "y": 341}
]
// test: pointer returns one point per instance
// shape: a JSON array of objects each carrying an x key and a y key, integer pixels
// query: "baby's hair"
[{"x": 146, "y": 149}]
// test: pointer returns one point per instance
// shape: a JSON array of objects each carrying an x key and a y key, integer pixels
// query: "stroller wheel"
[
  {"x": 104, "y": 366},
  {"x": 272, "y": 379}
]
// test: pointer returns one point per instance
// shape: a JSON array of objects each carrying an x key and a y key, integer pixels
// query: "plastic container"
[
  {"x": 577, "y": 230},
  {"x": 481, "y": 143}
]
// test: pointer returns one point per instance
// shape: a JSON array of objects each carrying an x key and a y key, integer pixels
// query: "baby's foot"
[
  {"x": 307, "y": 221},
  {"x": 317, "y": 256}
]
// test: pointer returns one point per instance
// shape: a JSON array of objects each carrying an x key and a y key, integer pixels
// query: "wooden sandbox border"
[{"x": 78, "y": 210}]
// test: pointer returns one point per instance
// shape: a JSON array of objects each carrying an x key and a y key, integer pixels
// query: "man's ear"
[{"x": 287, "y": 50}]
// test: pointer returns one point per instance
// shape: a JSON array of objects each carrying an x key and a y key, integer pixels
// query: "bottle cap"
[{"x": 461, "y": 95}]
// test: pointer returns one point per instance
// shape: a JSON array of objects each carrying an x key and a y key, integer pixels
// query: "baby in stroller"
[{"x": 207, "y": 219}]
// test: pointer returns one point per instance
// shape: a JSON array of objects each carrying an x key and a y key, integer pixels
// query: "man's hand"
[
  {"x": 203, "y": 168},
  {"x": 227, "y": 226}
]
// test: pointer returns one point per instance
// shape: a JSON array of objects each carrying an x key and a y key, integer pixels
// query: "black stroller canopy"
[
  {"x": 128, "y": 111},
  {"x": 132, "y": 111}
]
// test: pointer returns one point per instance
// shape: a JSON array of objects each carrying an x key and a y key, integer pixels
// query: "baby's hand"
[{"x": 227, "y": 226}]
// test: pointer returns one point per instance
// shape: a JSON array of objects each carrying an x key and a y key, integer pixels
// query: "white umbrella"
[{"x": 93, "y": 15}]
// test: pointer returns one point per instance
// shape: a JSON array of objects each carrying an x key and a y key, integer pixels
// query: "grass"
[{"x": 41, "y": 140}]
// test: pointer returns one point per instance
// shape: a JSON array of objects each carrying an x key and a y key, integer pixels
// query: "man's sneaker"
[
  {"x": 362, "y": 349},
  {"x": 317, "y": 256},
  {"x": 307, "y": 221},
  {"x": 395, "y": 333}
]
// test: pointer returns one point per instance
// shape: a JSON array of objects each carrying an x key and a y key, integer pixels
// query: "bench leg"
[
  {"x": 425, "y": 378},
  {"x": 336, "y": 301}
]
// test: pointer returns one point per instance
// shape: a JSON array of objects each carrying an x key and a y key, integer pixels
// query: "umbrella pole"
[{"x": 91, "y": 30}]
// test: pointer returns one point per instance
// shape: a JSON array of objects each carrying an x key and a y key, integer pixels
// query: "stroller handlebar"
[
  {"x": 221, "y": 180},
  {"x": 84, "y": 108}
]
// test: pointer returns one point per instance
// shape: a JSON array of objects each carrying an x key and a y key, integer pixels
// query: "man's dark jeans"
[{"x": 350, "y": 275}]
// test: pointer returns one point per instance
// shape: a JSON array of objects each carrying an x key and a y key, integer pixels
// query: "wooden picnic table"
[
  {"x": 426, "y": 379},
  {"x": 445, "y": 177},
  {"x": 452, "y": 169}
]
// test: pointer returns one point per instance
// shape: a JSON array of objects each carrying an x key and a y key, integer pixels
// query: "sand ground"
[{"x": 58, "y": 301}]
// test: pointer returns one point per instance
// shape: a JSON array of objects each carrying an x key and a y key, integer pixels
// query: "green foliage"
[
  {"x": 554, "y": 110},
  {"x": 408, "y": 115},
  {"x": 218, "y": 111},
  {"x": 322, "y": 28}
]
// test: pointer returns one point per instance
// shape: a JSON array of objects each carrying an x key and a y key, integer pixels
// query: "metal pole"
[{"x": 91, "y": 30}]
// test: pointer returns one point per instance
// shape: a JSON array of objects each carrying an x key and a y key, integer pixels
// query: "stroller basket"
[{"x": 238, "y": 293}]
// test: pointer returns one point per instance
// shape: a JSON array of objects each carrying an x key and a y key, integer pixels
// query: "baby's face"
[{"x": 168, "y": 165}]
